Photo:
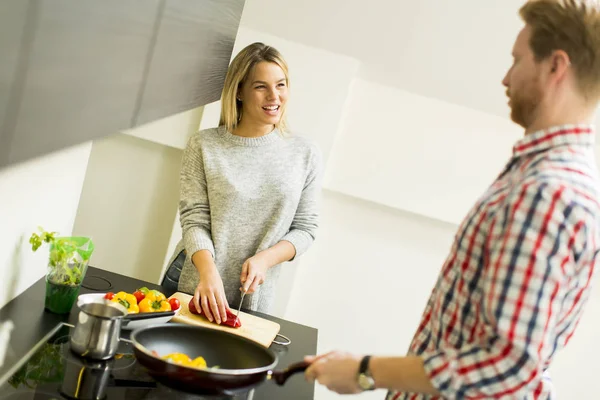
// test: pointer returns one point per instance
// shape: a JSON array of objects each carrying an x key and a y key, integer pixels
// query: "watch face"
[{"x": 366, "y": 382}]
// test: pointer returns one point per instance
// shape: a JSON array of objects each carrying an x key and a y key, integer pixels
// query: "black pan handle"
[
  {"x": 148, "y": 315},
  {"x": 280, "y": 377}
]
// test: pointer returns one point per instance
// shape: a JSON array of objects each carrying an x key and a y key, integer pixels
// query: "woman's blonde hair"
[{"x": 242, "y": 64}]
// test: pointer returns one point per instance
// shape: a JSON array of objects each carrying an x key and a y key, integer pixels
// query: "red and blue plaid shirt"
[{"x": 517, "y": 279}]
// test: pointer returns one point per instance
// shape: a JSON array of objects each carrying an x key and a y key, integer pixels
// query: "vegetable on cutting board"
[{"x": 232, "y": 320}]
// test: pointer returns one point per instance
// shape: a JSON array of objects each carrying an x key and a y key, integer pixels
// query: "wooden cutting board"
[{"x": 254, "y": 328}]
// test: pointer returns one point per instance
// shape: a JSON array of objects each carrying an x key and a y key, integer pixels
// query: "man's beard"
[{"x": 524, "y": 104}]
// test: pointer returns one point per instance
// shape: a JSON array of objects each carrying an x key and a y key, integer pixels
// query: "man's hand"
[
  {"x": 254, "y": 272},
  {"x": 337, "y": 371}
]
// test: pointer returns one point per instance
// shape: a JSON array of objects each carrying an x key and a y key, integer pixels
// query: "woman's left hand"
[{"x": 254, "y": 272}]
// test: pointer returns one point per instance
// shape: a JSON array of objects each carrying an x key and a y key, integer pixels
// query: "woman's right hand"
[{"x": 210, "y": 294}]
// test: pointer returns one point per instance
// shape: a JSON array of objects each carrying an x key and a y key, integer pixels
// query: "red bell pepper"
[{"x": 232, "y": 320}]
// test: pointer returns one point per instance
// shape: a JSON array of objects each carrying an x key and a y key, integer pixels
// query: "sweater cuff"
[
  {"x": 196, "y": 240},
  {"x": 300, "y": 240}
]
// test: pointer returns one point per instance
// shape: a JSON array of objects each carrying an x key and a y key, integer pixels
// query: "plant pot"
[
  {"x": 60, "y": 298},
  {"x": 67, "y": 265}
]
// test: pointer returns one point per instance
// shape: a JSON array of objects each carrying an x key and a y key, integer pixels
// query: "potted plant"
[{"x": 67, "y": 265}]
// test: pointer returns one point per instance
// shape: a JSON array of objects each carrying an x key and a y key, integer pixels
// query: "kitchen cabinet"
[
  {"x": 13, "y": 19},
  {"x": 77, "y": 70},
  {"x": 189, "y": 61},
  {"x": 83, "y": 73}
]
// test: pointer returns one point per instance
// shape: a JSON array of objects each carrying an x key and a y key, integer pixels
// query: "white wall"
[
  {"x": 416, "y": 153},
  {"x": 128, "y": 204},
  {"x": 365, "y": 282},
  {"x": 41, "y": 192},
  {"x": 172, "y": 131},
  {"x": 449, "y": 50}
]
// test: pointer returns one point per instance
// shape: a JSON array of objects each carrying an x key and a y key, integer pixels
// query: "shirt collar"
[{"x": 562, "y": 135}]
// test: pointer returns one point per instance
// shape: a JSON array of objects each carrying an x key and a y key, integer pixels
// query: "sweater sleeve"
[
  {"x": 194, "y": 208},
  {"x": 306, "y": 219}
]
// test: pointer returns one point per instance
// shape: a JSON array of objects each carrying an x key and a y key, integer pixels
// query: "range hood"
[{"x": 77, "y": 70}]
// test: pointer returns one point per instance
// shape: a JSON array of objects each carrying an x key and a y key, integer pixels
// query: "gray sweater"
[{"x": 242, "y": 195}]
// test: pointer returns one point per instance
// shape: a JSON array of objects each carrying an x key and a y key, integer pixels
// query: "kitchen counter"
[{"x": 33, "y": 326}]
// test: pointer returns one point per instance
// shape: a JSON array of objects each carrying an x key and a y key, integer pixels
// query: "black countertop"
[{"x": 33, "y": 325}]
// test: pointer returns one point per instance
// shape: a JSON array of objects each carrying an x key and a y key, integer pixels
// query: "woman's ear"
[{"x": 238, "y": 93}]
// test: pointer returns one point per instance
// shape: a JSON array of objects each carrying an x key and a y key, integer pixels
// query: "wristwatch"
[{"x": 365, "y": 379}]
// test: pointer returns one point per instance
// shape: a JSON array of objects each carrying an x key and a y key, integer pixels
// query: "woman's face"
[{"x": 264, "y": 94}]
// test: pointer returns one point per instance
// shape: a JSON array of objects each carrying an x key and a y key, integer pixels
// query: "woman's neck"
[{"x": 249, "y": 129}]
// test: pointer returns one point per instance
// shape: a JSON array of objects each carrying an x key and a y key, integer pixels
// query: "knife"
[{"x": 237, "y": 317}]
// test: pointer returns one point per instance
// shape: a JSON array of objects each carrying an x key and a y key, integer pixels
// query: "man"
[{"x": 514, "y": 286}]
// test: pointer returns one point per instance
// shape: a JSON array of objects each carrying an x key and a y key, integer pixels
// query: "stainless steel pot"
[{"x": 96, "y": 334}]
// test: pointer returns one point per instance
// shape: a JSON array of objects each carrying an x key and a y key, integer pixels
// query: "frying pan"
[{"x": 243, "y": 364}]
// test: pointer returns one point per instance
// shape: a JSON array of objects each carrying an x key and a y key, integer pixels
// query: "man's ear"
[{"x": 560, "y": 63}]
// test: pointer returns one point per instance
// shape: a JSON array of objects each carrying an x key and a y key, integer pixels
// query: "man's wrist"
[{"x": 365, "y": 377}]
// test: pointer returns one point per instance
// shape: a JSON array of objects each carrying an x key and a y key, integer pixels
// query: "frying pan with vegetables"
[{"x": 234, "y": 364}]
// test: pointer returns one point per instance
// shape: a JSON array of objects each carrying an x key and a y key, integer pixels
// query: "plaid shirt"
[{"x": 517, "y": 279}]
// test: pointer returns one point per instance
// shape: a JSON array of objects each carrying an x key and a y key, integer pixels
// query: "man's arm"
[
  {"x": 403, "y": 374},
  {"x": 339, "y": 371}
]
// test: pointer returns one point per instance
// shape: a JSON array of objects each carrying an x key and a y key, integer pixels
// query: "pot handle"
[
  {"x": 286, "y": 343},
  {"x": 122, "y": 339},
  {"x": 280, "y": 377}
]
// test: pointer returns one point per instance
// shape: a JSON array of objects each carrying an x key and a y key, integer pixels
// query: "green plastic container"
[{"x": 67, "y": 265}]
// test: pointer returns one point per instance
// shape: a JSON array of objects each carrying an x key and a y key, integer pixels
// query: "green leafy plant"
[
  {"x": 67, "y": 264},
  {"x": 68, "y": 256}
]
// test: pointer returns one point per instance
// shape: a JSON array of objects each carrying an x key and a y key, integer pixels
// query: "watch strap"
[{"x": 364, "y": 366}]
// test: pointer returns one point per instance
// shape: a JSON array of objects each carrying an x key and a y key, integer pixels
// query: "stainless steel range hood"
[{"x": 76, "y": 70}]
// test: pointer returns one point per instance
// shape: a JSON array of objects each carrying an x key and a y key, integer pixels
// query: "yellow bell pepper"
[
  {"x": 184, "y": 359},
  {"x": 158, "y": 295},
  {"x": 128, "y": 301},
  {"x": 177, "y": 358},
  {"x": 153, "y": 302},
  {"x": 198, "y": 362}
]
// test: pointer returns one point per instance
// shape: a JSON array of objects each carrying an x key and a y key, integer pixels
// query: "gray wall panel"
[
  {"x": 191, "y": 56},
  {"x": 76, "y": 70},
  {"x": 13, "y": 20},
  {"x": 84, "y": 73}
]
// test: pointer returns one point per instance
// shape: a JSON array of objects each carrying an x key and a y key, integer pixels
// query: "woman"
[{"x": 249, "y": 192}]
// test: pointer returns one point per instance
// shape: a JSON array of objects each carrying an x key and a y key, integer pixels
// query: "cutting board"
[{"x": 254, "y": 328}]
